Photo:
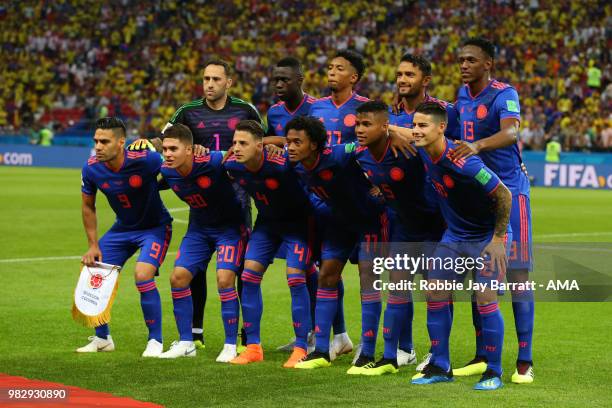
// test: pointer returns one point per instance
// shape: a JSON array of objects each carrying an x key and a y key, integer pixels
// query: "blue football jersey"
[
  {"x": 464, "y": 188},
  {"x": 278, "y": 193},
  {"x": 480, "y": 117},
  {"x": 279, "y": 114},
  {"x": 131, "y": 191},
  {"x": 339, "y": 120},
  {"x": 404, "y": 118},
  {"x": 402, "y": 182},
  {"x": 207, "y": 190},
  {"x": 338, "y": 180}
]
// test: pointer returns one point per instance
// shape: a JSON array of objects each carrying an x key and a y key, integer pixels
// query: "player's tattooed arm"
[
  {"x": 503, "y": 203},
  {"x": 507, "y": 136},
  {"x": 90, "y": 222},
  {"x": 496, "y": 249}
]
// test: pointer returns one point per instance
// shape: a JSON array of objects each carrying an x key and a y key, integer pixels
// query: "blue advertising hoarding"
[
  {"x": 575, "y": 170},
  {"x": 43, "y": 156}
]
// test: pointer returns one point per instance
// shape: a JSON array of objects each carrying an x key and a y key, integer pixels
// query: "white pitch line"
[
  {"x": 52, "y": 258},
  {"x": 44, "y": 258},
  {"x": 575, "y": 234}
]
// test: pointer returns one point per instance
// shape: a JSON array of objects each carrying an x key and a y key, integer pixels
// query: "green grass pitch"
[{"x": 40, "y": 217}]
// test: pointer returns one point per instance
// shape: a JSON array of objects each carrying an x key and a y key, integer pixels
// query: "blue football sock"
[
  {"x": 493, "y": 335},
  {"x": 371, "y": 307},
  {"x": 451, "y": 309},
  {"x": 312, "y": 282},
  {"x": 405, "y": 334},
  {"x": 339, "y": 326},
  {"x": 183, "y": 312},
  {"x": 252, "y": 305},
  {"x": 230, "y": 310},
  {"x": 439, "y": 323},
  {"x": 102, "y": 331},
  {"x": 327, "y": 304},
  {"x": 394, "y": 321},
  {"x": 300, "y": 308},
  {"x": 151, "y": 308},
  {"x": 524, "y": 314},
  {"x": 477, "y": 322}
]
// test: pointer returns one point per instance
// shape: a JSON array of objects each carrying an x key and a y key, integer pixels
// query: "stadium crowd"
[{"x": 145, "y": 61}]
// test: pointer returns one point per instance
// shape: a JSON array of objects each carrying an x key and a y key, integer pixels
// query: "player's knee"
[
  {"x": 225, "y": 279},
  {"x": 518, "y": 275},
  {"x": 486, "y": 297},
  {"x": 329, "y": 280},
  {"x": 437, "y": 296},
  {"x": 141, "y": 276},
  {"x": 180, "y": 278},
  {"x": 144, "y": 272}
]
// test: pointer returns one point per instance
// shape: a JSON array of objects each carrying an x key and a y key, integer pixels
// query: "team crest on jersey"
[
  {"x": 349, "y": 120},
  {"x": 95, "y": 281},
  {"x": 272, "y": 184},
  {"x": 326, "y": 174},
  {"x": 135, "y": 181},
  {"x": 448, "y": 181},
  {"x": 396, "y": 174},
  {"x": 232, "y": 123},
  {"x": 204, "y": 181},
  {"x": 481, "y": 112}
]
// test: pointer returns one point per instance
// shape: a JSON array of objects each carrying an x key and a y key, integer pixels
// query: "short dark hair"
[
  {"x": 355, "y": 59},
  {"x": 180, "y": 132},
  {"x": 251, "y": 126},
  {"x": 373, "y": 107},
  {"x": 418, "y": 61},
  {"x": 485, "y": 45},
  {"x": 313, "y": 128},
  {"x": 113, "y": 123},
  {"x": 290, "y": 62},
  {"x": 434, "y": 109},
  {"x": 226, "y": 66}
]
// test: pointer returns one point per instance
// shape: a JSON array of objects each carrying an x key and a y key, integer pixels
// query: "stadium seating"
[{"x": 59, "y": 61}]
